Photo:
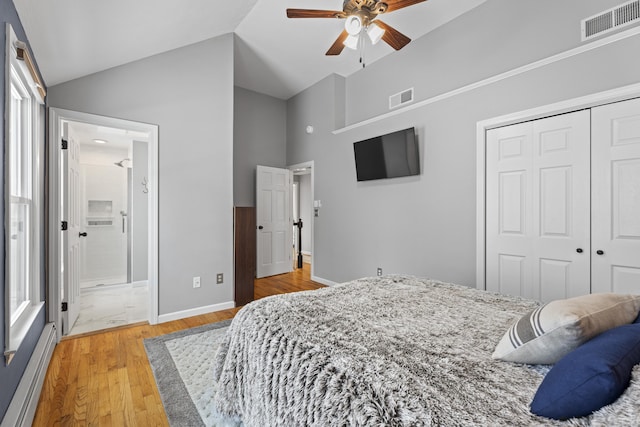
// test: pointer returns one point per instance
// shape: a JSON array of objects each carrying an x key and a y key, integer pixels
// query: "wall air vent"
[
  {"x": 611, "y": 19},
  {"x": 401, "y": 98}
]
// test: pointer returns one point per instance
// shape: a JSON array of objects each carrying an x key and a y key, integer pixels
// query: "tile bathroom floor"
[{"x": 108, "y": 306}]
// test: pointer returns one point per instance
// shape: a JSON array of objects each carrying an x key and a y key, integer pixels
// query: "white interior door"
[
  {"x": 71, "y": 237},
  {"x": 537, "y": 201},
  {"x": 273, "y": 221},
  {"x": 616, "y": 195}
]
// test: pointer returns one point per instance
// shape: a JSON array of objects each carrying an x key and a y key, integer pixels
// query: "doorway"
[
  {"x": 280, "y": 202},
  {"x": 117, "y": 210},
  {"x": 113, "y": 249},
  {"x": 304, "y": 207}
]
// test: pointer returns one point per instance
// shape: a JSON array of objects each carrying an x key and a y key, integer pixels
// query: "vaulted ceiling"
[{"x": 273, "y": 54}]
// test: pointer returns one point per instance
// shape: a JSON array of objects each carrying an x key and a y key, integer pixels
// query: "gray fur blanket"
[{"x": 390, "y": 351}]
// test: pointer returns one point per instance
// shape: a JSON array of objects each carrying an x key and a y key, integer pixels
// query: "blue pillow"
[{"x": 591, "y": 376}]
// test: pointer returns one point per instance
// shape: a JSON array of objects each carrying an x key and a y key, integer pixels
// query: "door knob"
[
  {"x": 579, "y": 250},
  {"x": 82, "y": 234},
  {"x": 260, "y": 227},
  {"x": 600, "y": 252}
]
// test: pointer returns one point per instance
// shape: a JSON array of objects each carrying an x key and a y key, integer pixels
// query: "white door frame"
[
  {"x": 54, "y": 277},
  {"x": 309, "y": 164},
  {"x": 620, "y": 94}
]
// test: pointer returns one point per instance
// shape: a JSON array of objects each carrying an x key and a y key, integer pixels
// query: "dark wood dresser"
[{"x": 244, "y": 232}]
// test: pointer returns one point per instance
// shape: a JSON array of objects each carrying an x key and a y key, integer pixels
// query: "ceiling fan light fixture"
[
  {"x": 351, "y": 42},
  {"x": 353, "y": 25},
  {"x": 375, "y": 33}
]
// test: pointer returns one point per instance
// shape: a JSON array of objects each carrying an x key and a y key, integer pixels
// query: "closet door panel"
[
  {"x": 616, "y": 195},
  {"x": 561, "y": 215},
  {"x": 509, "y": 227},
  {"x": 537, "y": 230}
]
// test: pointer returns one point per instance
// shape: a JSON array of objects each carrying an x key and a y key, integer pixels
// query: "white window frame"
[{"x": 28, "y": 117}]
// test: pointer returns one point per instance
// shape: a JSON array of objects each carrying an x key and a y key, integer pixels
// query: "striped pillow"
[{"x": 551, "y": 331}]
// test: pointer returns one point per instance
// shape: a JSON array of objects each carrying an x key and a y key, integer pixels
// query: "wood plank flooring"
[{"x": 104, "y": 379}]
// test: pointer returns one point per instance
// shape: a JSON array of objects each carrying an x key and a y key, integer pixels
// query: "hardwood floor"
[{"x": 104, "y": 379}]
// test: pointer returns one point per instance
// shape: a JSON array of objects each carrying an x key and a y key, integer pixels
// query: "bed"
[{"x": 390, "y": 351}]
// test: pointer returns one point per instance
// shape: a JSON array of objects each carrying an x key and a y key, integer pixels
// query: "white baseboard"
[
  {"x": 140, "y": 284},
  {"x": 306, "y": 252},
  {"x": 195, "y": 311},
  {"x": 106, "y": 281},
  {"x": 323, "y": 281},
  {"x": 22, "y": 408}
]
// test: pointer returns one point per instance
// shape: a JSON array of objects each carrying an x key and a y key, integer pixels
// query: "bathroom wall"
[{"x": 103, "y": 198}]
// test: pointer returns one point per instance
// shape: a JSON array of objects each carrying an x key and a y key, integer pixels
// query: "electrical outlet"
[
  {"x": 196, "y": 282},
  {"x": 219, "y": 278},
  {"x": 379, "y": 271}
]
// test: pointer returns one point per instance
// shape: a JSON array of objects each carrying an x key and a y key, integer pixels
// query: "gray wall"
[
  {"x": 497, "y": 36},
  {"x": 10, "y": 375},
  {"x": 426, "y": 225},
  {"x": 259, "y": 138},
  {"x": 139, "y": 213},
  {"x": 191, "y": 100}
]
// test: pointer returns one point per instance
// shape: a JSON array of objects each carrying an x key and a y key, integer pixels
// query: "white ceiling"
[
  {"x": 273, "y": 54},
  {"x": 116, "y": 139}
]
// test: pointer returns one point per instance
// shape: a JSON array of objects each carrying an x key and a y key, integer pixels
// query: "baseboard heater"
[{"x": 22, "y": 408}]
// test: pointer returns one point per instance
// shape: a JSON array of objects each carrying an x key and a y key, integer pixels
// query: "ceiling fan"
[{"x": 360, "y": 17}]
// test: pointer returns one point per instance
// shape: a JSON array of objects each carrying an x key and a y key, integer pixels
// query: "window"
[{"x": 23, "y": 145}]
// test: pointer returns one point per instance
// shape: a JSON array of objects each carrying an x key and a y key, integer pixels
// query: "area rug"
[{"x": 181, "y": 363}]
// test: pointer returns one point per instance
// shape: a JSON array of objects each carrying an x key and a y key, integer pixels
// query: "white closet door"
[
  {"x": 561, "y": 213},
  {"x": 509, "y": 234},
  {"x": 538, "y": 208},
  {"x": 616, "y": 194}
]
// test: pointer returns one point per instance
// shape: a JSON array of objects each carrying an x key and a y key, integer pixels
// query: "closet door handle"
[
  {"x": 600, "y": 252},
  {"x": 579, "y": 250}
]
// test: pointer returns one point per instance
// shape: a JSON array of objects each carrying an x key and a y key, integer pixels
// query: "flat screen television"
[{"x": 388, "y": 156}]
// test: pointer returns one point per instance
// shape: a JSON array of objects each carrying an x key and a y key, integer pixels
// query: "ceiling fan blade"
[
  {"x": 338, "y": 45},
  {"x": 309, "y": 13},
  {"x": 400, "y": 4},
  {"x": 393, "y": 37}
]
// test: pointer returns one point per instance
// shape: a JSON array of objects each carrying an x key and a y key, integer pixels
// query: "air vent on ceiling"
[
  {"x": 611, "y": 19},
  {"x": 401, "y": 98}
]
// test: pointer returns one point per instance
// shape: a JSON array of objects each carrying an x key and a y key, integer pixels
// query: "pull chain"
[{"x": 361, "y": 43}]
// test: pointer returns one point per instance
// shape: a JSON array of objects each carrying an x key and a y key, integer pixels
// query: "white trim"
[
  {"x": 140, "y": 284},
  {"x": 113, "y": 281},
  {"x": 22, "y": 408},
  {"x": 90, "y": 289},
  {"x": 176, "y": 315},
  {"x": 20, "y": 329},
  {"x": 323, "y": 281},
  {"x": 589, "y": 101},
  {"x": 309, "y": 164},
  {"x": 56, "y": 117},
  {"x": 19, "y": 78},
  {"x": 502, "y": 76}
]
